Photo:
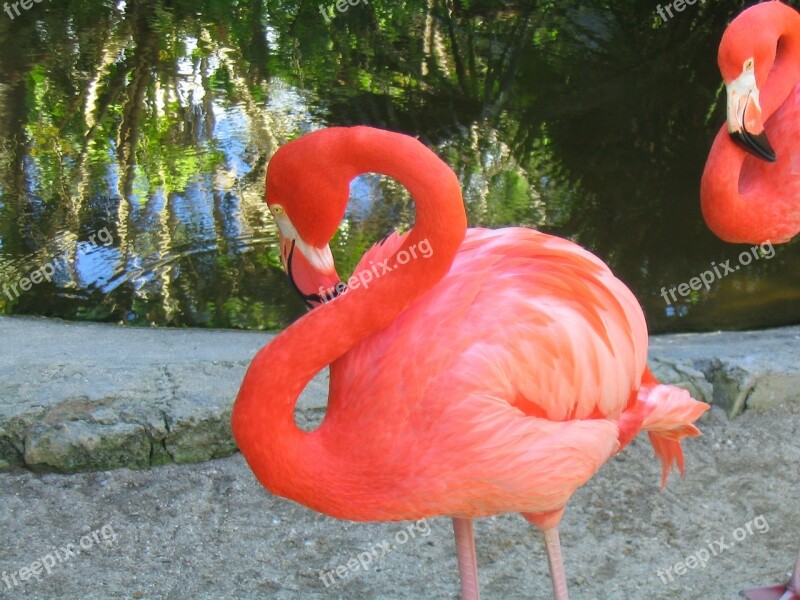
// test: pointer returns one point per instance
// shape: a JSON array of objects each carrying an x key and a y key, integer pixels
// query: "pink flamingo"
[
  {"x": 748, "y": 198},
  {"x": 750, "y": 192},
  {"x": 494, "y": 373}
]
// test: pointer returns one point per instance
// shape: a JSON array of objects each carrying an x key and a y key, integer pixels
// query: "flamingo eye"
[
  {"x": 277, "y": 210},
  {"x": 749, "y": 64}
]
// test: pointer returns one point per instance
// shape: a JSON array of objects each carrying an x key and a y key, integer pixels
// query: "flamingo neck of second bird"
[
  {"x": 286, "y": 460},
  {"x": 784, "y": 73},
  {"x": 725, "y": 207}
]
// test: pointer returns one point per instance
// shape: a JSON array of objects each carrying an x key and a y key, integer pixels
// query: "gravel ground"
[{"x": 210, "y": 531}]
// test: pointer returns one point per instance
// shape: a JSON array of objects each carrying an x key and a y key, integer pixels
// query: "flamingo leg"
[
  {"x": 467, "y": 559},
  {"x": 554, "y": 558},
  {"x": 794, "y": 581}
]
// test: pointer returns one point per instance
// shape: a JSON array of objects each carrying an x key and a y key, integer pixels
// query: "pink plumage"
[
  {"x": 473, "y": 372},
  {"x": 473, "y": 425},
  {"x": 744, "y": 197}
]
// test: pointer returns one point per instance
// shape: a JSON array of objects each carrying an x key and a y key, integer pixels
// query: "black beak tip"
[{"x": 757, "y": 145}]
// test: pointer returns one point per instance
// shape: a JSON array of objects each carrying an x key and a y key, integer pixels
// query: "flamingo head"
[
  {"x": 307, "y": 193},
  {"x": 746, "y": 56}
]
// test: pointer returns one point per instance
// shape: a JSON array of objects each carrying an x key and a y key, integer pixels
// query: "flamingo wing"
[{"x": 495, "y": 391}]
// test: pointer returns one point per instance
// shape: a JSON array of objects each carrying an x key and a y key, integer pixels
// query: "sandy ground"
[{"x": 210, "y": 531}]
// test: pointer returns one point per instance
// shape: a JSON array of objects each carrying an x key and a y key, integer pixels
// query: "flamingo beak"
[
  {"x": 311, "y": 270},
  {"x": 745, "y": 123}
]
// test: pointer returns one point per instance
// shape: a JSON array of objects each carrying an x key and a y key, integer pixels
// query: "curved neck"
[
  {"x": 784, "y": 73},
  {"x": 726, "y": 211},
  {"x": 286, "y": 460}
]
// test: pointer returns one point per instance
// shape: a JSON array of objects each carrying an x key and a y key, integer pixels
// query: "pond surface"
[{"x": 136, "y": 135}]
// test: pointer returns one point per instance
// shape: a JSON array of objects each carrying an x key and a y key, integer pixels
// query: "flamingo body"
[
  {"x": 439, "y": 414},
  {"x": 744, "y": 198}
]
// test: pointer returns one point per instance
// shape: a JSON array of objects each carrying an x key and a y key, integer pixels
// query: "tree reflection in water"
[{"x": 156, "y": 119}]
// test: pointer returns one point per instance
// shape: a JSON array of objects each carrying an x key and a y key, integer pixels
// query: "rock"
[
  {"x": 683, "y": 375},
  {"x": 735, "y": 370},
  {"x": 85, "y": 446}
]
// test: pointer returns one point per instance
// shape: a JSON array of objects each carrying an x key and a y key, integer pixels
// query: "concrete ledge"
[
  {"x": 84, "y": 396},
  {"x": 735, "y": 370}
]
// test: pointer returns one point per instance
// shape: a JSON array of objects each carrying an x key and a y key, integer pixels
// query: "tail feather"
[
  {"x": 669, "y": 453},
  {"x": 669, "y": 413}
]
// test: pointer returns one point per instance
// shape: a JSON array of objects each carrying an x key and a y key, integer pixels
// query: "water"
[{"x": 149, "y": 125}]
